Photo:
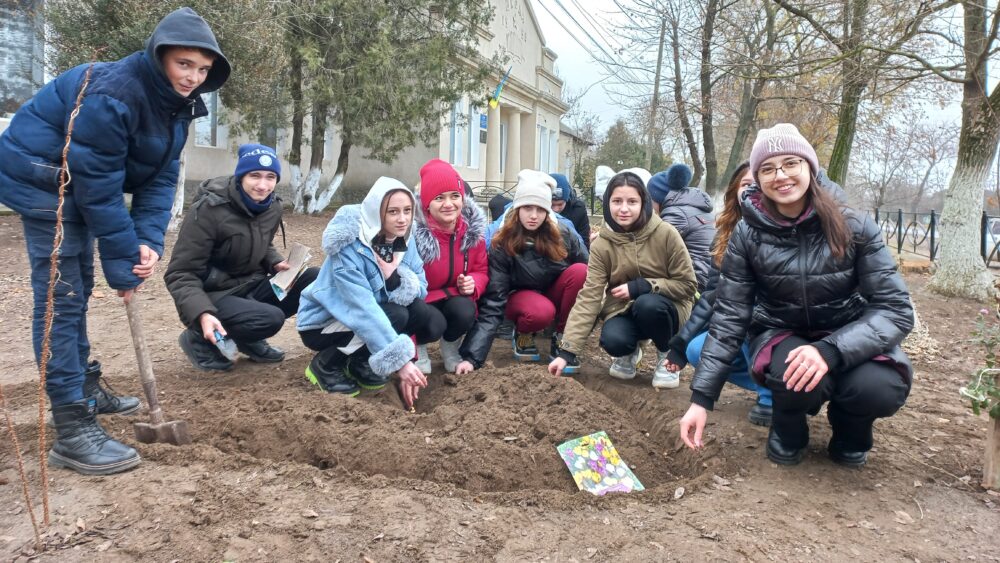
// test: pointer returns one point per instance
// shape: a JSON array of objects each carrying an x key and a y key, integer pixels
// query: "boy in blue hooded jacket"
[{"x": 127, "y": 138}]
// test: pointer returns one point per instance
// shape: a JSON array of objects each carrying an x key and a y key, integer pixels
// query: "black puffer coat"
[
  {"x": 690, "y": 212},
  {"x": 221, "y": 249},
  {"x": 576, "y": 211},
  {"x": 508, "y": 274},
  {"x": 857, "y": 305},
  {"x": 698, "y": 322}
]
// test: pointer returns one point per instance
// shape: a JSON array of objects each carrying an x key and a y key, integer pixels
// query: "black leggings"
[
  {"x": 857, "y": 397},
  {"x": 455, "y": 314},
  {"x": 651, "y": 316},
  {"x": 415, "y": 319}
]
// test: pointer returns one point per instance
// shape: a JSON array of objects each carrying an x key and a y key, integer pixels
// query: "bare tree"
[
  {"x": 934, "y": 145},
  {"x": 961, "y": 270},
  {"x": 869, "y": 38},
  {"x": 673, "y": 19}
]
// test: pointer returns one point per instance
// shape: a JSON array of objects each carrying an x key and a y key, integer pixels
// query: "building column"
[
  {"x": 493, "y": 176},
  {"x": 513, "y": 148}
]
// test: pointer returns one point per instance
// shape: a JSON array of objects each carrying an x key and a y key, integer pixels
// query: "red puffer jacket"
[{"x": 446, "y": 255}]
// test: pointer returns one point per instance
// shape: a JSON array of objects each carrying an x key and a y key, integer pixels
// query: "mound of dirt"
[
  {"x": 283, "y": 471},
  {"x": 492, "y": 432}
]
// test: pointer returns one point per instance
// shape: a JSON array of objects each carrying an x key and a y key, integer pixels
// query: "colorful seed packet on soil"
[{"x": 596, "y": 466}]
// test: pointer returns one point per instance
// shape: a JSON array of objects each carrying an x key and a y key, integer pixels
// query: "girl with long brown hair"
[
  {"x": 536, "y": 269},
  {"x": 813, "y": 288},
  {"x": 686, "y": 347}
]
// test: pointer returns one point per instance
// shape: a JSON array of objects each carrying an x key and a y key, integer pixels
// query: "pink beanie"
[{"x": 781, "y": 139}]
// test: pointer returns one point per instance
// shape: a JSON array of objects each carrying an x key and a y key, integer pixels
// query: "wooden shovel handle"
[{"x": 142, "y": 357}]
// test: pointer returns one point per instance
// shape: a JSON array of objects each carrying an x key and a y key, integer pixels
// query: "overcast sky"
[
  {"x": 579, "y": 70},
  {"x": 575, "y": 66}
]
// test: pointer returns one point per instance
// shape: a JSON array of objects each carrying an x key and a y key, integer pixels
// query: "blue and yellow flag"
[{"x": 495, "y": 99}]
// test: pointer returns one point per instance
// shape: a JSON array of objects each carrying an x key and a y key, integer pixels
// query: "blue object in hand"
[{"x": 226, "y": 346}]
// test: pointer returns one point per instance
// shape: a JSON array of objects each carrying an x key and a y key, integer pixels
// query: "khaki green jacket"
[{"x": 656, "y": 253}]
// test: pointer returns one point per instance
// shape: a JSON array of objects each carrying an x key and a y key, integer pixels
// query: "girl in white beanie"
[{"x": 537, "y": 267}]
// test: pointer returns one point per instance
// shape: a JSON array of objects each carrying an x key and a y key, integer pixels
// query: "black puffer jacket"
[
  {"x": 698, "y": 322},
  {"x": 508, "y": 274},
  {"x": 854, "y": 308},
  {"x": 576, "y": 211},
  {"x": 221, "y": 249},
  {"x": 689, "y": 210}
]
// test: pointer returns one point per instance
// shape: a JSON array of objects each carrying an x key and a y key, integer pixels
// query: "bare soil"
[{"x": 280, "y": 470}]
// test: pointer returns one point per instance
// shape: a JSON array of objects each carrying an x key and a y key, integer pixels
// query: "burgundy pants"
[{"x": 533, "y": 311}]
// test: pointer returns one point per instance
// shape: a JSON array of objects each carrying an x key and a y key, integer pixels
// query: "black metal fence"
[{"x": 919, "y": 234}]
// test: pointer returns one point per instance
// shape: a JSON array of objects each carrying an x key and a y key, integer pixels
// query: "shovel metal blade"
[{"x": 173, "y": 432}]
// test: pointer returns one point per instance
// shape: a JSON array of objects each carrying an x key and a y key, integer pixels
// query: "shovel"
[{"x": 157, "y": 430}]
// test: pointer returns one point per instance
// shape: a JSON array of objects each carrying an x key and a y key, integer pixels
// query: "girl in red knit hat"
[{"x": 449, "y": 234}]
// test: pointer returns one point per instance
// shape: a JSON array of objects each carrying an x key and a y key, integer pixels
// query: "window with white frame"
[
  {"x": 503, "y": 148},
  {"x": 473, "y": 138},
  {"x": 543, "y": 148},
  {"x": 457, "y": 138},
  {"x": 553, "y": 152},
  {"x": 208, "y": 132}
]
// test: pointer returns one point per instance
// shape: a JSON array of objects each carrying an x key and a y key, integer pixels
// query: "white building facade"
[{"x": 487, "y": 146}]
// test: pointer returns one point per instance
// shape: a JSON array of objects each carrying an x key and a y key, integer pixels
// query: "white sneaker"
[
  {"x": 624, "y": 366},
  {"x": 662, "y": 377},
  {"x": 449, "y": 352},
  {"x": 423, "y": 361}
]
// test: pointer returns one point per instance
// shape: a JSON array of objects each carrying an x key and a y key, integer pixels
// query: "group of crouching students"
[{"x": 786, "y": 292}]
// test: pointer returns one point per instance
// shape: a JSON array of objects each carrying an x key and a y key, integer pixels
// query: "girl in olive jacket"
[{"x": 640, "y": 282}]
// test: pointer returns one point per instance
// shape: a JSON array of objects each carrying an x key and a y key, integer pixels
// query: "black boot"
[
  {"x": 260, "y": 351},
  {"x": 781, "y": 454},
  {"x": 82, "y": 444},
  {"x": 360, "y": 371},
  {"x": 760, "y": 415},
  {"x": 202, "y": 353},
  {"x": 788, "y": 438},
  {"x": 852, "y": 437},
  {"x": 107, "y": 401},
  {"x": 326, "y": 371}
]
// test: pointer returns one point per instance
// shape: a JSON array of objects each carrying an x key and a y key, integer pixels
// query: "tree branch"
[
  {"x": 920, "y": 60},
  {"x": 837, "y": 42},
  {"x": 987, "y": 41}
]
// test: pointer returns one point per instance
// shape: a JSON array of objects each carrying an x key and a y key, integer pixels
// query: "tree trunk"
[
  {"x": 177, "y": 209},
  {"x": 750, "y": 99},
  {"x": 298, "y": 118},
  {"x": 991, "y": 463},
  {"x": 748, "y": 111},
  {"x": 317, "y": 149},
  {"x": 650, "y": 138},
  {"x": 323, "y": 199},
  {"x": 707, "y": 130},
  {"x": 961, "y": 271},
  {"x": 856, "y": 78},
  {"x": 692, "y": 144},
  {"x": 847, "y": 121}
]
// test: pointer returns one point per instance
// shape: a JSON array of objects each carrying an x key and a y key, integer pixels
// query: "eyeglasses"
[{"x": 791, "y": 168}]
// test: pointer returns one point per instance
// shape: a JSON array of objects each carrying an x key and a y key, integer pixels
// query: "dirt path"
[{"x": 282, "y": 471}]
